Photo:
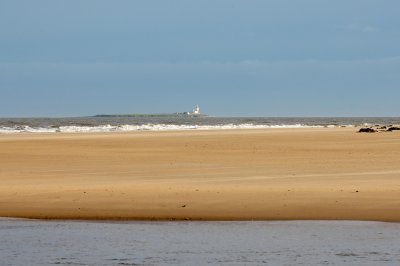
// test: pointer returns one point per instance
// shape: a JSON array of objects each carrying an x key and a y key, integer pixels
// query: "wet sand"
[{"x": 273, "y": 174}]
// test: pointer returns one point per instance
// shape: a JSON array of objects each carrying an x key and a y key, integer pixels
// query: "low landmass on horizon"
[{"x": 195, "y": 113}]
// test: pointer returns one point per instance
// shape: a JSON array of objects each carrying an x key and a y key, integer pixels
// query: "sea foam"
[{"x": 143, "y": 127}]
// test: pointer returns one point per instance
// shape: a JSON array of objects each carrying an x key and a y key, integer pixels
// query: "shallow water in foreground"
[{"x": 31, "y": 242}]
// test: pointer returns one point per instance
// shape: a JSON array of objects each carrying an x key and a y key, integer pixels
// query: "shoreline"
[
  {"x": 174, "y": 220},
  {"x": 166, "y": 128},
  {"x": 202, "y": 175}
]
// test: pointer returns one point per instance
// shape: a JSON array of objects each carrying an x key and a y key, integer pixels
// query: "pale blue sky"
[{"x": 234, "y": 58}]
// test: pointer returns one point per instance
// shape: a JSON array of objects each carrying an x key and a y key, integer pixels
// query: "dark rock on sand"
[
  {"x": 367, "y": 130},
  {"x": 393, "y": 128}
]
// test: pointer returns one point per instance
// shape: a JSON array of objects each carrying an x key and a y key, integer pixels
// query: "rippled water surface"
[{"x": 31, "y": 242}]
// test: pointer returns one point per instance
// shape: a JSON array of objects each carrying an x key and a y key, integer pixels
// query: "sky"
[{"x": 232, "y": 57}]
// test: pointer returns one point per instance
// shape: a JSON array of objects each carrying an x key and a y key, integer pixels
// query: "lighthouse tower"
[{"x": 196, "y": 110}]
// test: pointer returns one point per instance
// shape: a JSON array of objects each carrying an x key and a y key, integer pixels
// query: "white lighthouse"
[{"x": 196, "y": 110}]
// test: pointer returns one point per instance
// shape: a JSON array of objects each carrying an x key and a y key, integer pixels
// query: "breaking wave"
[{"x": 144, "y": 127}]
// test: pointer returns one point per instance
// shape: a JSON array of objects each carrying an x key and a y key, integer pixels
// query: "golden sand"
[{"x": 274, "y": 174}]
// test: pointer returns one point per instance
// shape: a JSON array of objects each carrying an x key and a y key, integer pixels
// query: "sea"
[
  {"x": 162, "y": 123},
  {"x": 34, "y": 242}
]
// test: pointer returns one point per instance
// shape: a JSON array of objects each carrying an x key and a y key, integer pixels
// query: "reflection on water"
[{"x": 31, "y": 242}]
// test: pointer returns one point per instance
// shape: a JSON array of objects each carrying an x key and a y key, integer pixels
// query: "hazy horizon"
[{"x": 208, "y": 116}]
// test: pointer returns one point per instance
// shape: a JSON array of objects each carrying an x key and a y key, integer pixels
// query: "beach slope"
[{"x": 269, "y": 174}]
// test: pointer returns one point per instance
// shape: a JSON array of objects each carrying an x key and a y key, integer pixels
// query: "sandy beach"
[{"x": 269, "y": 174}]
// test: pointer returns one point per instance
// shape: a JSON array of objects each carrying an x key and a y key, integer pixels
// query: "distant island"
[{"x": 195, "y": 113}]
